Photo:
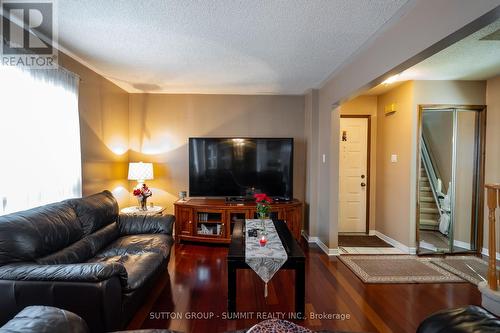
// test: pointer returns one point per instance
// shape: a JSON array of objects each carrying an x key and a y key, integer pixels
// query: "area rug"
[
  {"x": 470, "y": 268},
  {"x": 397, "y": 269},
  {"x": 361, "y": 241},
  {"x": 434, "y": 238}
]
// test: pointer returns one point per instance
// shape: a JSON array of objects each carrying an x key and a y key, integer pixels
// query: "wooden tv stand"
[{"x": 212, "y": 220}]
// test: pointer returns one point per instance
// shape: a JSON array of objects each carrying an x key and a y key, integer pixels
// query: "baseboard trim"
[
  {"x": 395, "y": 243},
  {"x": 461, "y": 244},
  {"x": 309, "y": 239},
  {"x": 485, "y": 252},
  {"x": 326, "y": 249},
  {"x": 315, "y": 240}
]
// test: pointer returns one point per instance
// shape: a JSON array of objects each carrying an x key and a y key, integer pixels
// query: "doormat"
[{"x": 361, "y": 241}]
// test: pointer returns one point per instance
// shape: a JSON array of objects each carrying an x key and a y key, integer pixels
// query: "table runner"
[{"x": 264, "y": 260}]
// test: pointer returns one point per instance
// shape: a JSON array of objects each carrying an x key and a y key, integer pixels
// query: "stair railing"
[
  {"x": 431, "y": 171},
  {"x": 493, "y": 193}
]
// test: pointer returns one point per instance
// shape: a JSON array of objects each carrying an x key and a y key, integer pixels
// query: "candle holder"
[{"x": 263, "y": 241}]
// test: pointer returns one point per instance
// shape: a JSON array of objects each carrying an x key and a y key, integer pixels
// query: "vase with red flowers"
[
  {"x": 263, "y": 208},
  {"x": 142, "y": 193}
]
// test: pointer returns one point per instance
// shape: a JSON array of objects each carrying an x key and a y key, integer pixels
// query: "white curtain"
[{"x": 40, "y": 160}]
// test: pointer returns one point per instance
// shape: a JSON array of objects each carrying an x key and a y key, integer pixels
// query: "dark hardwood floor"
[{"x": 198, "y": 286}]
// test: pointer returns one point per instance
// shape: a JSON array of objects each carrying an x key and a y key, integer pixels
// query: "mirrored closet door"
[{"x": 450, "y": 179}]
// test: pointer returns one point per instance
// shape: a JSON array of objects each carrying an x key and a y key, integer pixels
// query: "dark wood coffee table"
[{"x": 296, "y": 261}]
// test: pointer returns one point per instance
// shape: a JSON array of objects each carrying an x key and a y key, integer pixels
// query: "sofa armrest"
[
  {"x": 45, "y": 319},
  {"x": 86, "y": 272},
  {"x": 145, "y": 224},
  {"x": 98, "y": 303}
]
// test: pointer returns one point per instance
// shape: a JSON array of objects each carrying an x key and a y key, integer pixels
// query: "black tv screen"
[{"x": 239, "y": 167}]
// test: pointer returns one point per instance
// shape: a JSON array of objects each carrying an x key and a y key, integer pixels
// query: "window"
[{"x": 40, "y": 160}]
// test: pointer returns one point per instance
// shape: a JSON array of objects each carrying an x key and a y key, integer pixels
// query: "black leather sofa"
[{"x": 81, "y": 255}]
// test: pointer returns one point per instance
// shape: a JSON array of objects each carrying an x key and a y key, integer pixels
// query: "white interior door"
[{"x": 353, "y": 174}]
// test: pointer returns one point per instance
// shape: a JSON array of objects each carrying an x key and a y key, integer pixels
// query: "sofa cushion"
[
  {"x": 34, "y": 233},
  {"x": 95, "y": 211},
  {"x": 135, "y": 244},
  {"x": 84, "y": 249},
  {"x": 103, "y": 237},
  {"x": 75, "y": 253},
  {"x": 139, "y": 267},
  {"x": 145, "y": 224}
]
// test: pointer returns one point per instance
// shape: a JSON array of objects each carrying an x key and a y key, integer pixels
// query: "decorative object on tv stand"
[
  {"x": 182, "y": 195},
  {"x": 141, "y": 172},
  {"x": 263, "y": 209}
]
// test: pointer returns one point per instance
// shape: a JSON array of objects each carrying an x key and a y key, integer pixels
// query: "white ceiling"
[
  {"x": 472, "y": 58},
  {"x": 469, "y": 59},
  {"x": 219, "y": 46}
]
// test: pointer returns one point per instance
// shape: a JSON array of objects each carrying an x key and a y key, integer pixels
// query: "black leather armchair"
[
  {"x": 47, "y": 319},
  {"x": 81, "y": 255},
  {"x": 468, "y": 319}
]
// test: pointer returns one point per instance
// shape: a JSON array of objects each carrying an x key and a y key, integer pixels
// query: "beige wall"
[
  {"x": 160, "y": 125},
  {"x": 104, "y": 126},
  {"x": 311, "y": 135},
  {"x": 327, "y": 174},
  {"x": 393, "y": 179},
  {"x": 492, "y": 160},
  {"x": 367, "y": 105}
]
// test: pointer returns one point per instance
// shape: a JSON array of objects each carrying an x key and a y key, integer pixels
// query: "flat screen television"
[{"x": 239, "y": 167}]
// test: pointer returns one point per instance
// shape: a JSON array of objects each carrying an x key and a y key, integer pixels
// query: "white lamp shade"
[{"x": 140, "y": 171}]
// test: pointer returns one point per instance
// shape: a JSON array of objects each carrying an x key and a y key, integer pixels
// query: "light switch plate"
[
  {"x": 394, "y": 158},
  {"x": 324, "y": 158}
]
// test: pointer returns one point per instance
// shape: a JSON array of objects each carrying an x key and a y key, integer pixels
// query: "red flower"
[
  {"x": 262, "y": 198},
  {"x": 137, "y": 192}
]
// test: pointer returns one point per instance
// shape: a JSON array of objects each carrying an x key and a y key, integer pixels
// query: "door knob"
[{"x": 363, "y": 184}]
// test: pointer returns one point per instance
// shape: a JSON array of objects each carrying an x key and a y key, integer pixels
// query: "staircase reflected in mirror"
[{"x": 449, "y": 179}]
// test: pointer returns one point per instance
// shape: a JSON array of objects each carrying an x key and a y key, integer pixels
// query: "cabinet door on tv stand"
[
  {"x": 210, "y": 223},
  {"x": 184, "y": 220},
  {"x": 236, "y": 215}
]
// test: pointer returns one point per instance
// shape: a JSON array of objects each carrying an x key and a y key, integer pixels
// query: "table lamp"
[{"x": 140, "y": 171}]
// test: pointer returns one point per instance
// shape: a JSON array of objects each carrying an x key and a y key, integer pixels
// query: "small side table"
[{"x": 134, "y": 210}]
